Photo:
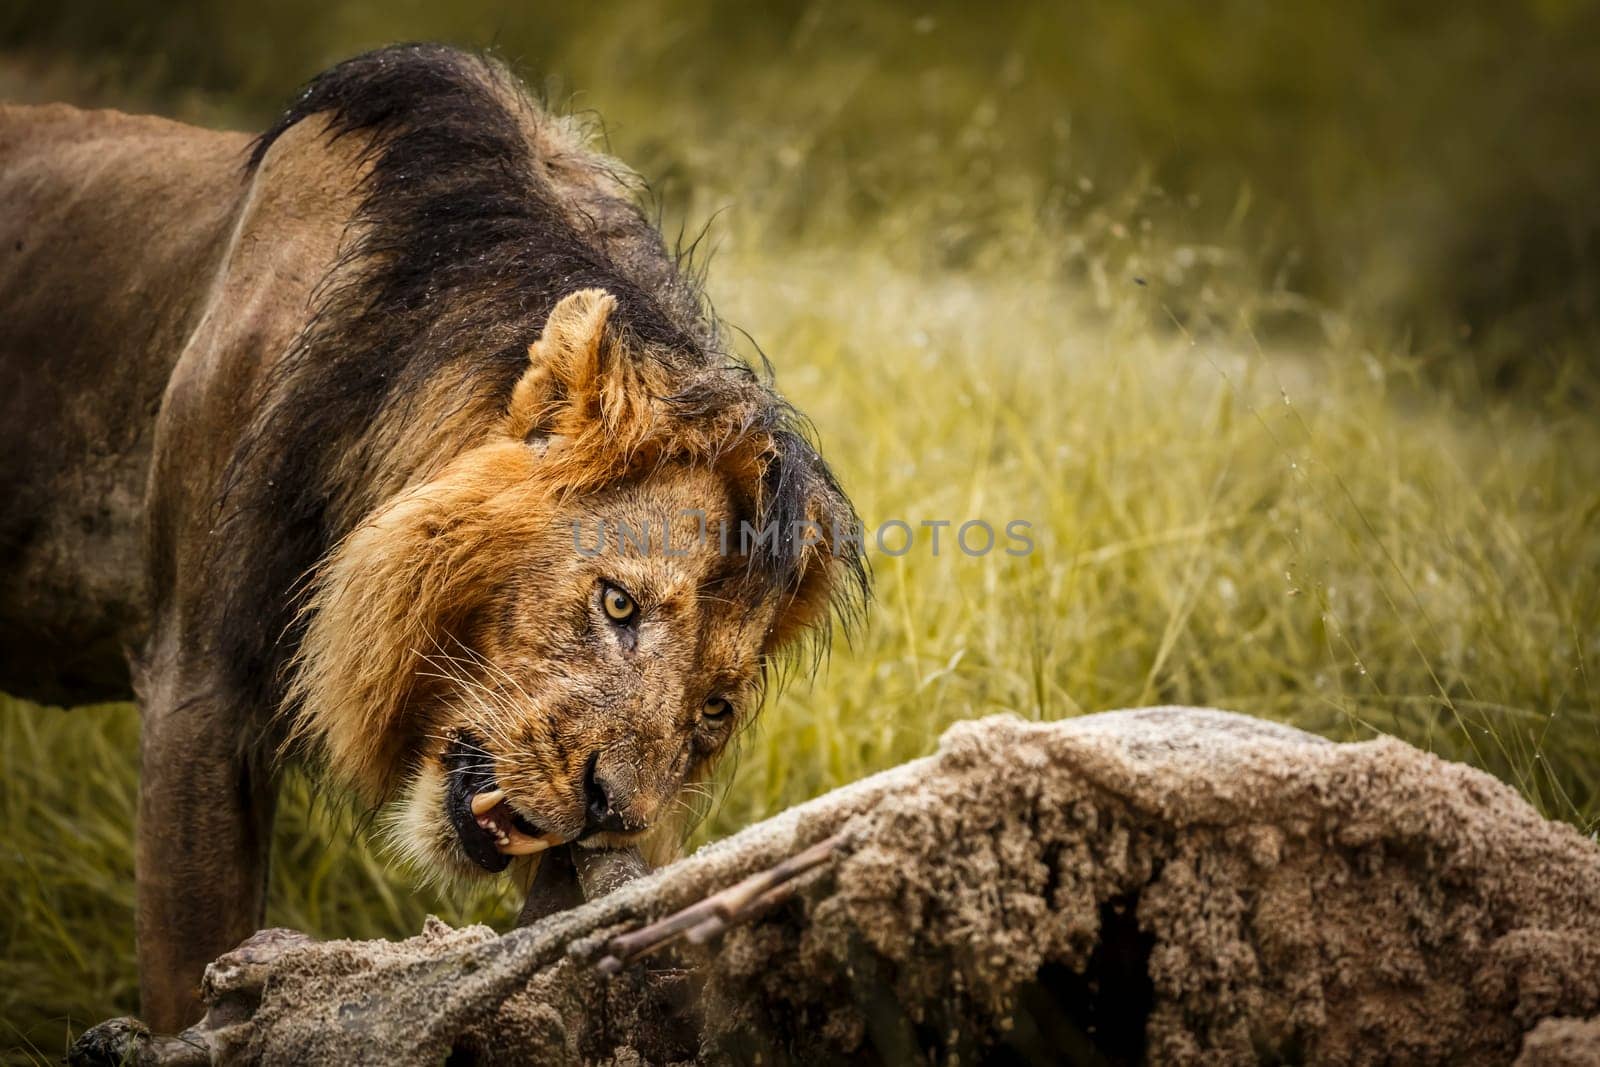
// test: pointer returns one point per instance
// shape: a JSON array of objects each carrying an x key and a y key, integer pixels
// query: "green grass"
[
  {"x": 1297, "y": 535},
  {"x": 1241, "y": 495}
]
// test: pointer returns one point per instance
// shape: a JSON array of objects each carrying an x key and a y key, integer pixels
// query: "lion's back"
[
  {"x": 111, "y": 229},
  {"x": 107, "y": 215}
]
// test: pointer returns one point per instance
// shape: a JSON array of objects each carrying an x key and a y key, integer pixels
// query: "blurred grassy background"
[{"x": 1278, "y": 322}]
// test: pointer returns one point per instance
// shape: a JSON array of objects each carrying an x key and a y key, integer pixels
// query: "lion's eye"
[
  {"x": 620, "y": 607},
  {"x": 717, "y": 709}
]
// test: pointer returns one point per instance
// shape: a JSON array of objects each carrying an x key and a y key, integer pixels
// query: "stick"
[{"x": 708, "y": 918}]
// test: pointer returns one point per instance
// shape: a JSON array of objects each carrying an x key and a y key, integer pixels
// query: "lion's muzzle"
[{"x": 491, "y": 832}]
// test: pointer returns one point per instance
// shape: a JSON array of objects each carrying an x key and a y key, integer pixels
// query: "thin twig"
[{"x": 708, "y": 918}]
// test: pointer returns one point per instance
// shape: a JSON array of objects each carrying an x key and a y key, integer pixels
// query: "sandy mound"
[{"x": 1173, "y": 885}]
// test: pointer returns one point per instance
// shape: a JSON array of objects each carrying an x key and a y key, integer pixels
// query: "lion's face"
[
  {"x": 554, "y": 635},
  {"x": 584, "y": 693}
]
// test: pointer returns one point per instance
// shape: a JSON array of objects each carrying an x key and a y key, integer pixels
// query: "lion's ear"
[{"x": 562, "y": 391}]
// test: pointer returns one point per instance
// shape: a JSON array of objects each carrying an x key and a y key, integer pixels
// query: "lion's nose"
[{"x": 603, "y": 799}]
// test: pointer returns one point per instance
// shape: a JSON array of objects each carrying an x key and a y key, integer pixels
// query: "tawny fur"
[{"x": 305, "y": 422}]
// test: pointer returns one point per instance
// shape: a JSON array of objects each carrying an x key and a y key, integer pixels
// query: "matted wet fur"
[{"x": 311, "y": 424}]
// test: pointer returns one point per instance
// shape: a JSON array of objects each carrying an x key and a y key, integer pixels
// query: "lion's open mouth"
[{"x": 490, "y": 830}]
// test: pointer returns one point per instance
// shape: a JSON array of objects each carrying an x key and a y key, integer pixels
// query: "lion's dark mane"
[{"x": 460, "y": 248}]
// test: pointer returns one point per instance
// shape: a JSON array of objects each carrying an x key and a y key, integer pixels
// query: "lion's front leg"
[{"x": 204, "y": 831}]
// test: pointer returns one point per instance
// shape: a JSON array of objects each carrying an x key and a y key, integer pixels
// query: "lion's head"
[{"x": 547, "y": 638}]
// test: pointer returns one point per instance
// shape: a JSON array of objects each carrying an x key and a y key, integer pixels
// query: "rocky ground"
[{"x": 1171, "y": 885}]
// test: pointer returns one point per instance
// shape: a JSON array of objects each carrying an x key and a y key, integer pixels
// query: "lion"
[{"x": 307, "y": 439}]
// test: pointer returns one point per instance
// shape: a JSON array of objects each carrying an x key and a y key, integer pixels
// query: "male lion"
[{"x": 303, "y": 427}]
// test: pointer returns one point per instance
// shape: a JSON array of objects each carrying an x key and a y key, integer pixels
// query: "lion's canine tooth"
[
  {"x": 484, "y": 803},
  {"x": 523, "y": 845}
]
